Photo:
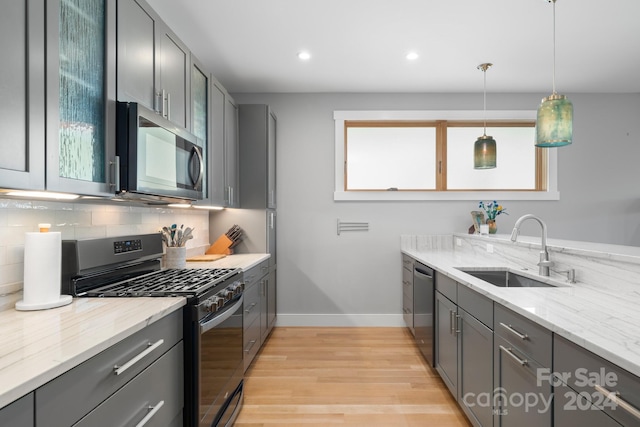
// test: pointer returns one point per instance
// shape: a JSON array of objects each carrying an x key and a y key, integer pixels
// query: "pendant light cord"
[
  {"x": 554, "y": 46},
  {"x": 484, "y": 71}
]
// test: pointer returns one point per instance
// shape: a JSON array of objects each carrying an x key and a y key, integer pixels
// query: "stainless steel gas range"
[{"x": 130, "y": 266}]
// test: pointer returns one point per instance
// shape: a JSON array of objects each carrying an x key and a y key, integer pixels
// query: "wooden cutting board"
[{"x": 206, "y": 258}]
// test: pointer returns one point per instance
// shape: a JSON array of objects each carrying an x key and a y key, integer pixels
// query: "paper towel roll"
[{"x": 42, "y": 265}]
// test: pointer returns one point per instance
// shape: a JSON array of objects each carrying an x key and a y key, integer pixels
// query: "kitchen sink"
[{"x": 506, "y": 278}]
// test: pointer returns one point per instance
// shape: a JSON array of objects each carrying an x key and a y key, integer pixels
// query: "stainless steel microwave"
[{"x": 159, "y": 161}]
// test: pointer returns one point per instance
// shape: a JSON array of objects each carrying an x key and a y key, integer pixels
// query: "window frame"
[{"x": 461, "y": 118}]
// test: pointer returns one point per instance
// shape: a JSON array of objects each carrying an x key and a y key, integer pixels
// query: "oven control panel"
[{"x": 124, "y": 246}]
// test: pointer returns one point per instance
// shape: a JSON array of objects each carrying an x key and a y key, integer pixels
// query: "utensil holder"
[{"x": 175, "y": 257}]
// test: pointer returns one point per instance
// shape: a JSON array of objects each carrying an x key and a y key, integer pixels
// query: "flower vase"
[
  {"x": 175, "y": 257},
  {"x": 493, "y": 227}
]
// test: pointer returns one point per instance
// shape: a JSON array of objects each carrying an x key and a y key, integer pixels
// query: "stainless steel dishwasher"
[{"x": 423, "y": 308}]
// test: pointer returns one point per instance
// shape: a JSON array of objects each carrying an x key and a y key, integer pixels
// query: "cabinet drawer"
[
  {"x": 447, "y": 286},
  {"x": 530, "y": 338},
  {"x": 251, "y": 342},
  {"x": 159, "y": 386},
  {"x": 571, "y": 409},
  {"x": 475, "y": 304},
  {"x": 407, "y": 263},
  {"x": 253, "y": 275},
  {"x": 84, "y": 387},
  {"x": 18, "y": 413},
  {"x": 584, "y": 370},
  {"x": 251, "y": 304}
]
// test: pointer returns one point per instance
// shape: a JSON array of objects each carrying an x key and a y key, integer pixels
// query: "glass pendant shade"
[
  {"x": 554, "y": 123},
  {"x": 484, "y": 153}
]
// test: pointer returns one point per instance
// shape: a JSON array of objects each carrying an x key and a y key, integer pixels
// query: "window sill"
[{"x": 384, "y": 196}]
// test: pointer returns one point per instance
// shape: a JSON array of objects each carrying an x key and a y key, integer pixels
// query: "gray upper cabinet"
[
  {"x": 22, "y": 86},
  {"x": 80, "y": 76},
  {"x": 258, "y": 154},
  {"x": 201, "y": 118},
  {"x": 59, "y": 88},
  {"x": 231, "y": 154},
  {"x": 217, "y": 192},
  {"x": 154, "y": 66}
]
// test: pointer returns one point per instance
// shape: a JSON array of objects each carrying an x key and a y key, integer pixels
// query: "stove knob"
[
  {"x": 210, "y": 305},
  {"x": 227, "y": 294}
]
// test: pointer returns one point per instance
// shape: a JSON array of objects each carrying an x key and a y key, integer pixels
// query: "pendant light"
[
  {"x": 484, "y": 150},
  {"x": 554, "y": 123}
]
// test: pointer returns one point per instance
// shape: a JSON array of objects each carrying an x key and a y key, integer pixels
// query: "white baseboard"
[{"x": 388, "y": 320}]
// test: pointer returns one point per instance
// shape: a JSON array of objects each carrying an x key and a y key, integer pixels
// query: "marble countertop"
[
  {"x": 603, "y": 319},
  {"x": 38, "y": 346}
]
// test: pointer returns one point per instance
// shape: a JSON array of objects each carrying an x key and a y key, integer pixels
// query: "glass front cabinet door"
[{"x": 80, "y": 73}]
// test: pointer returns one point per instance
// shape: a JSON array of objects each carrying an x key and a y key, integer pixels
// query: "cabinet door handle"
[
  {"x": 451, "y": 327},
  {"x": 614, "y": 396},
  {"x": 168, "y": 106},
  {"x": 251, "y": 343},
  {"x": 116, "y": 174},
  {"x": 514, "y": 332},
  {"x": 457, "y": 329},
  {"x": 118, "y": 370},
  {"x": 151, "y": 413},
  {"x": 522, "y": 362},
  {"x": 247, "y": 310}
]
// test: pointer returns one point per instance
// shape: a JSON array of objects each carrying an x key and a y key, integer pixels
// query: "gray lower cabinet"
[
  {"x": 475, "y": 355},
  {"x": 407, "y": 292},
  {"x": 19, "y": 413},
  {"x": 268, "y": 304},
  {"x": 155, "y": 395},
  {"x": 143, "y": 374},
  {"x": 446, "y": 357},
  {"x": 573, "y": 409},
  {"x": 522, "y": 352},
  {"x": 596, "y": 381},
  {"x": 464, "y": 348},
  {"x": 255, "y": 310}
]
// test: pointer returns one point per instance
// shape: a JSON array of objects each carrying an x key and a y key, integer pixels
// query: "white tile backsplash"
[{"x": 85, "y": 221}]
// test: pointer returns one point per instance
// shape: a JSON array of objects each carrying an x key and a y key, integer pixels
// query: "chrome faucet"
[{"x": 544, "y": 263}]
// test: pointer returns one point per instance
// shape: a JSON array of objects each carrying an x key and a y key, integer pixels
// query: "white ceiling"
[{"x": 360, "y": 45}]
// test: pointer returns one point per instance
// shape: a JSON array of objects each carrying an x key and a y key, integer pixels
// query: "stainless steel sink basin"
[{"x": 506, "y": 279}]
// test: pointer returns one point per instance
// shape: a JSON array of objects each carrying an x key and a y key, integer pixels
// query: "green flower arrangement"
[{"x": 493, "y": 209}]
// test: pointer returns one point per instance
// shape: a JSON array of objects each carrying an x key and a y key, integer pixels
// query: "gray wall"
[{"x": 355, "y": 278}]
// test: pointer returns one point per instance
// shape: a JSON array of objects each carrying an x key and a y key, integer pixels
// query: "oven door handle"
[{"x": 206, "y": 326}]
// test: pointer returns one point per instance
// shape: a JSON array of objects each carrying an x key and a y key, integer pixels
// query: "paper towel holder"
[{"x": 34, "y": 299}]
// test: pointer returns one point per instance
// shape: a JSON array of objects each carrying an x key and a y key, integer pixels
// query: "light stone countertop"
[
  {"x": 38, "y": 346},
  {"x": 602, "y": 317}
]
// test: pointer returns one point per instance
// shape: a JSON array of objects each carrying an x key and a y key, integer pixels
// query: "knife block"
[{"x": 221, "y": 246}]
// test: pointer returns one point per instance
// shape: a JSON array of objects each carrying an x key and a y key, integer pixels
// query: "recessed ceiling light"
[
  {"x": 304, "y": 55},
  {"x": 412, "y": 56}
]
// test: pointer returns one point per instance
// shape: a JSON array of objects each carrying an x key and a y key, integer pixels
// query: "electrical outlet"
[
  {"x": 489, "y": 248},
  {"x": 458, "y": 241}
]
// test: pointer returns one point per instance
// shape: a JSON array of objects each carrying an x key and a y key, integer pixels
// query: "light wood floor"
[{"x": 345, "y": 376}]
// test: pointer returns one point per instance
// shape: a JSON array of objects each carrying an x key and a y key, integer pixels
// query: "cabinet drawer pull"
[
  {"x": 248, "y": 309},
  {"x": 120, "y": 369},
  {"x": 251, "y": 343},
  {"x": 522, "y": 362},
  {"x": 151, "y": 413},
  {"x": 514, "y": 332},
  {"x": 614, "y": 396}
]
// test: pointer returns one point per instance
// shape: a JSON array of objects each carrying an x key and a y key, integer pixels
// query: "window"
[{"x": 429, "y": 155}]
